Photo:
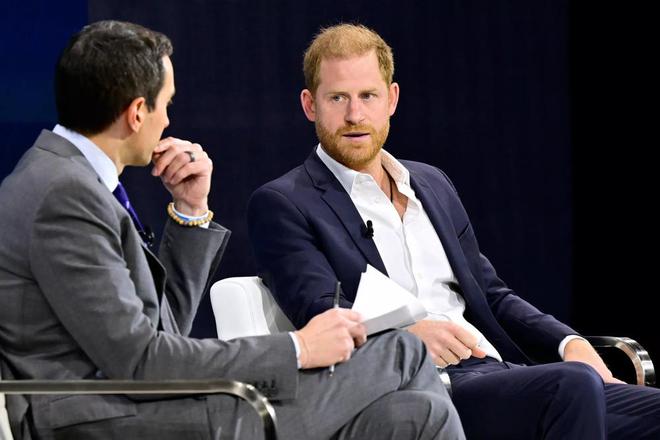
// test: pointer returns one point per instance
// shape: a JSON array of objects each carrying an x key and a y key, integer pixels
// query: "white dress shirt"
[{"x": 100, "y": 161}]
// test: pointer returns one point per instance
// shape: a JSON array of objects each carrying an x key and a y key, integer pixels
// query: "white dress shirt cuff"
[
  {"x": 189, "y": 218},
  {"x": 566, "y": 340},
  {"x": 297, "y": 347}
]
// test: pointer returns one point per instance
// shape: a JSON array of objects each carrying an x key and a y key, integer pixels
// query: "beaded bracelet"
[{"x": 186, "y": 222}]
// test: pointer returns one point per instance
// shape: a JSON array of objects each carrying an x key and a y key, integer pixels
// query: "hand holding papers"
[{"x": 384, "y": 304}]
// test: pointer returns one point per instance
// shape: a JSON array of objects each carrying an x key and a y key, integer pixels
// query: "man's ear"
[
  {"x": 307, "y": 102},
  {"x": 136, "y": 113},
  {"x": 393, "y": 97}
]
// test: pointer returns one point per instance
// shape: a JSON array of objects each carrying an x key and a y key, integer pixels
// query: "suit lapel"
[
  {"x": 478, "y": 311},
  {"x": 447, "y": 233},
  {"x": 334, "y": 195},
  {"x": 157, "y": 269}
]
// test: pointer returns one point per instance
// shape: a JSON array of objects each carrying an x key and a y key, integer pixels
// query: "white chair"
[{"x": 243, "y": 306}]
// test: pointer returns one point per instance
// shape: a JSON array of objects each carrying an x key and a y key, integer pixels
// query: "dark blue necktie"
[{"x": 122, "y": 198}]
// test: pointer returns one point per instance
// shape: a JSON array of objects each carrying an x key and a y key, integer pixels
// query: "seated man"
[
  {"x": 351, "y": 204},
  {"x": 83, "y": 297}
]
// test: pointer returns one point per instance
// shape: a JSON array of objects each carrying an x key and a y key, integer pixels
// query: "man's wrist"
[
  {"x": 187, "y": 210},
  {"x": 303, "y": 354},
  {"x": 564, "y": 343},
  {"x": 186, "y": 220}
]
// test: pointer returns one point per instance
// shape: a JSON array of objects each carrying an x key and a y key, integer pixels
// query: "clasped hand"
[
  {"x": 186, "y": 176},
  {"x": 447, "y": 342}
]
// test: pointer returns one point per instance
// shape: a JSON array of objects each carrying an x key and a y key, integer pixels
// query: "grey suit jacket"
[{"x": 81, "y": 297}]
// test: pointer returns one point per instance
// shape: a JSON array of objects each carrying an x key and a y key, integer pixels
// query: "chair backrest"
[
  {"x": 5, "y": 432},
  {"x": 243, "y": 306}
]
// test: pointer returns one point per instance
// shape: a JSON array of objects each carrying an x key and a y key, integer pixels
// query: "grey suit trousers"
[{"x": 388, "y": 390}]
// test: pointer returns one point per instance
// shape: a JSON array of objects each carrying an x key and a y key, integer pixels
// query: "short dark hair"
[{"x": 103, "y": 69}]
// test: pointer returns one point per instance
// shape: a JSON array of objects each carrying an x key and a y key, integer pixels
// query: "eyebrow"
[{"x": 337, "y": 92}]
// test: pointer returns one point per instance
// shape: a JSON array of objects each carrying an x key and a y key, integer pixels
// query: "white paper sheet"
[{"x": 384, "y": 304}]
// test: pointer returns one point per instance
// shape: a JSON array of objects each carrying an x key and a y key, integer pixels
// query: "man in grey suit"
[{"x": 84, "y": 297}]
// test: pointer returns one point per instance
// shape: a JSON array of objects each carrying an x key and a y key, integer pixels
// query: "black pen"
[{"x": 335, "y": 305}]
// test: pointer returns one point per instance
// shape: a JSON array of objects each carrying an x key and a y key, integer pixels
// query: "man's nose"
[{"x": 354, "y": 112}]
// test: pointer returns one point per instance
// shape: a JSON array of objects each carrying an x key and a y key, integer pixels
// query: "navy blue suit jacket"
[{"x": 306, "y": 234}]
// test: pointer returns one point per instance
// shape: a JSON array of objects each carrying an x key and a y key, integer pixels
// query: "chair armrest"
[
  {"x": 238, "y": 389},
  {"x": 644, "y": 369}
]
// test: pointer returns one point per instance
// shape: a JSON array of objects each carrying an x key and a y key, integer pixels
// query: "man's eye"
[{"x": 337, "y": 98}]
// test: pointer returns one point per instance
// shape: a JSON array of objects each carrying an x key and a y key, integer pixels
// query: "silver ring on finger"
[{"x": 191, "y": 154}]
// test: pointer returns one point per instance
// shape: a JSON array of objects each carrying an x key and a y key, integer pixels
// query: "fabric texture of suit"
[
  {"x": 83, "y": 298},
  {"x": 306, "y": 234}
]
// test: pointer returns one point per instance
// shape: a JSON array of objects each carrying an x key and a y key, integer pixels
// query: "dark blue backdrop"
[{"x": 486, "y": 93}]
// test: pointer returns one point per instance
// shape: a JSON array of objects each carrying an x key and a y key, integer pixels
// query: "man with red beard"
[{"x": 352, "y": 203}]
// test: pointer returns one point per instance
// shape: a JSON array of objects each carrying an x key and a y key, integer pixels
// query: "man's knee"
[
  {"x": 422, "y": 415},
  {"x": 437, "y": 415},
  {"x": 404, "y": 339},
  {"x": 579, "y": 380},
  {"x": 401, "y": 346},
  {"x": 409, "y": 343},
  {"x": 581, "y": 376}
]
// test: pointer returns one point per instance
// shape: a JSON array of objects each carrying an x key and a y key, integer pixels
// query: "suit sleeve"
[
  {"x": 190, "y": 257},
  {"x": 77, "y": 260},
  {"x": 290, "y": 256},
  {"x": 537, "y": 333}
]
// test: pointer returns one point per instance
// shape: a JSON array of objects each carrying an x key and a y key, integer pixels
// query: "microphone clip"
[{"x": 368, "y": 229}]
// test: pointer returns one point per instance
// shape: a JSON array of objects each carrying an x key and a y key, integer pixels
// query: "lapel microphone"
[{"x": 368, "y": 230}]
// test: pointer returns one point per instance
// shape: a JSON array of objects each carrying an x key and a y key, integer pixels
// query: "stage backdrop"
[{"x": 484, "y": 96}]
